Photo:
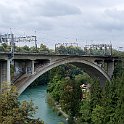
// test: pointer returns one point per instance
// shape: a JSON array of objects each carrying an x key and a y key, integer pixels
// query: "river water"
[{"x": 38, "y": 95}]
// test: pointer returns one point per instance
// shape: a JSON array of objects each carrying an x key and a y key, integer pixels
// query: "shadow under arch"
[{"x": 89, "y": 67}]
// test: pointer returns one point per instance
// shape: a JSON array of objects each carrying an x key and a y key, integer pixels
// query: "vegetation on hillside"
[
  {"x": 101, "y": 106},
  {"x": 13, "y": 111}
]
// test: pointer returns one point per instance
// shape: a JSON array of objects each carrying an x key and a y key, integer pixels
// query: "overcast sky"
[{"x": 88, "y": 21}]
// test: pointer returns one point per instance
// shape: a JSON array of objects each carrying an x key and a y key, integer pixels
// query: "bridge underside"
[
  {"x": 90, "y": 68},
  {"x": 93, "y": 73}
]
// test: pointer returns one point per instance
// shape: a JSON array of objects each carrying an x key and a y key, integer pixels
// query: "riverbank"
[{"x": 56, "y": 107}]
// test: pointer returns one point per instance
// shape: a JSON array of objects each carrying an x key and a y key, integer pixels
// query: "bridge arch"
[{"x": 89, "y": 67}]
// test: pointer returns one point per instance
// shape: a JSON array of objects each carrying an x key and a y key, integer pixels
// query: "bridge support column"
[
  {"x": 0, "y": 74},
  {"x": 110, "y": 68},
  {"x": 32, "y": 66},
  {"x": 3, "y": 71},
  {"x": 19, "y": 69},
  {"x": 8, "y": 72}
]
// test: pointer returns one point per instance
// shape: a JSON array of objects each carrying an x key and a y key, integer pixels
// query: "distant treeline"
[{"x": 69, "y": 50}]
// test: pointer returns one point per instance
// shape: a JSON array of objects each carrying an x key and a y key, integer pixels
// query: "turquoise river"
[{"x": 38, "y": 95}]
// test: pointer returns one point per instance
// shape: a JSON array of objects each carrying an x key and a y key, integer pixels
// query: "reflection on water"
[{"x": 38, "y": 96}]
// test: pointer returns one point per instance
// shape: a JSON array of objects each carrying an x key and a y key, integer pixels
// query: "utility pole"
[
  {"x": 8, "y": 38},
  {"x": 12, "y": 39},
  {"x": 35, "y": 41},
  {"x": 12, "y": 45}
]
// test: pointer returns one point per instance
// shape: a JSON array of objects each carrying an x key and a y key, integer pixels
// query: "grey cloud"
[
  {"x": 111, "y": 20},
  {"x": 116, "y": 14},
  {"x": 54, "y": 8},
  {"x": 108, "y": 26},
  {"x": 49, "y": 8},
  {"x": 97, "y": 3},
  {"x": 16, "y": 17}
]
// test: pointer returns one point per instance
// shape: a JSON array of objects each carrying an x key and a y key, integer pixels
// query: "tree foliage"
[
  {"x": 98, "y": 115},
  {"x": 106, "y": 105},
  {"x": 64, "y": 87},
  {"x": 70, "y": 97},
  {"x": 13, "y": 111},
  {"x": 72, "y": 50}
]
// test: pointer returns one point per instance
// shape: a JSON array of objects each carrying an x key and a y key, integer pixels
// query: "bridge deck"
[{"x": 4, "y": 56}]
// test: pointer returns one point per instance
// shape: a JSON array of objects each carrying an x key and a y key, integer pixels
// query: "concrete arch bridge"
[{"x": 29, "y": 66}]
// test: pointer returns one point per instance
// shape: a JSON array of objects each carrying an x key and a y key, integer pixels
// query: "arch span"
[{"x": 92, "y": 69}]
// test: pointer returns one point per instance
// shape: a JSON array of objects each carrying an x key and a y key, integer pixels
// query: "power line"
[{"x": 10, "y": 38}]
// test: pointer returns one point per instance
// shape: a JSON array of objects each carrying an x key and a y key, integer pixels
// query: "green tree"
[
  {"x": 5, "y": 47},
  {"x": 25, "y": 48},
  {"x": 72, "y": 50},
  {"x": 82, "y": 78},
  {"x": 54, "y": 88},
  {"x": 13, "y": 111},
  {"x": 96, "y": 93},
  {"x": 98, "y": 115},
  {"x": 119, "y": 113},
  {"x": 85, "y": 111},
  {"x": 70, "y": 97},
  {"x": 43, "y": 48},
  {"x": 117, "y": 101},
  {"x": 109, "y": 100}
]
